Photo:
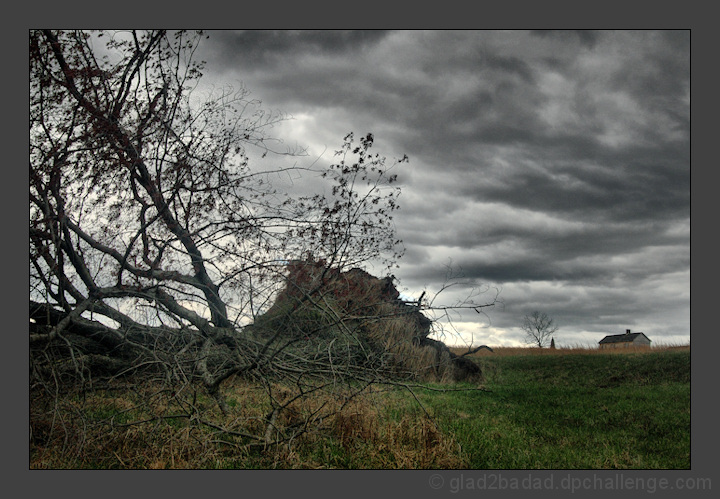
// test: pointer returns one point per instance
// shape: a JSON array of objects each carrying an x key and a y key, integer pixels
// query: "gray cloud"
[
  {"x": 555, "y": 165},
  {"x": 247, "y": 49},
  {"x": 586, "y": 37}
]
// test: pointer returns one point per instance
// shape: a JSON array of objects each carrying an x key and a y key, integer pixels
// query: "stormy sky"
[{"x": 551, "y": 166}]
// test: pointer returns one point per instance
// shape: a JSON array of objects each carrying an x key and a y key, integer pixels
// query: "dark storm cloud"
[
  {"x": 579, "y": 266},
  {"x": 535, "y": 157},
  {"x": 645, "y": 185},
  {"x": 250, "y": 48},
  {"x": 586, "y": 37}
]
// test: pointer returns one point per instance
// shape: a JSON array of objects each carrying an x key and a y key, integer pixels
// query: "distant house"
[{"x": 625, "y": 340}]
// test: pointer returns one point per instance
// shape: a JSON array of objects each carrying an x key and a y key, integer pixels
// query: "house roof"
[{"x": 622, "y": 338}]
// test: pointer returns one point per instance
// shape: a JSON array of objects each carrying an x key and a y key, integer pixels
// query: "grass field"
[
  {"x": 574, "y": 409},
  {"x": 537, "y": 409}
]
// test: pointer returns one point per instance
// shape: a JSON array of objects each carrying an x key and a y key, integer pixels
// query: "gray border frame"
[{"x": 623, "y": 15}]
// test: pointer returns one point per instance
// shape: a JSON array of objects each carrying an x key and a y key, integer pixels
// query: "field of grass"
[
  {"x": 537, "y": 409},
  {"x": 573, "y": 410}
]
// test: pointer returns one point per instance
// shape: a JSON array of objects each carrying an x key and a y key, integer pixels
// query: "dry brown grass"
[
  {"x": 147, "y": 426},
  {"x": 512, "y": 351},
  {"x": 394, "y": 334},
  {"x": 123, "y": 430},
  {"x": 376, "y": 441}
]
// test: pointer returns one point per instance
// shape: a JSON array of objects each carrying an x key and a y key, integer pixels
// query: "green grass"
[
  {"x": 564, "y": 410},
  {"x": 577, "y": 411}
]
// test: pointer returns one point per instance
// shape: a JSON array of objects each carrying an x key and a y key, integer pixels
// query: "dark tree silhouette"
[
  {"x": 538, "y": 328},
  {"x": 154, "y": 240}
]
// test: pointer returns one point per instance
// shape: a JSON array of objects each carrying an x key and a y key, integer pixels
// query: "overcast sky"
[{"x": 553, "y": 166}]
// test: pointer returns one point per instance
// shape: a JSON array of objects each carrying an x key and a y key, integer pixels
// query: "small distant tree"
[{"x": 538, "y": 327}]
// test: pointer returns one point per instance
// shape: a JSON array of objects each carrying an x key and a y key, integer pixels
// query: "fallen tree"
[
  {"x": 155, "y": 243},
  {"x": 317, "y": 307}
]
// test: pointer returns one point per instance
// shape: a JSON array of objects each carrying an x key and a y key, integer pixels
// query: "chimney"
[{"x": 627, "y": 331}]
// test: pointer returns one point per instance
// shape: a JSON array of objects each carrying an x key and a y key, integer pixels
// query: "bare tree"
[
  {"x": 444, "y": 314},
  {"x": 154, "y": 242},
  {"x": 538, "y": 328}
]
